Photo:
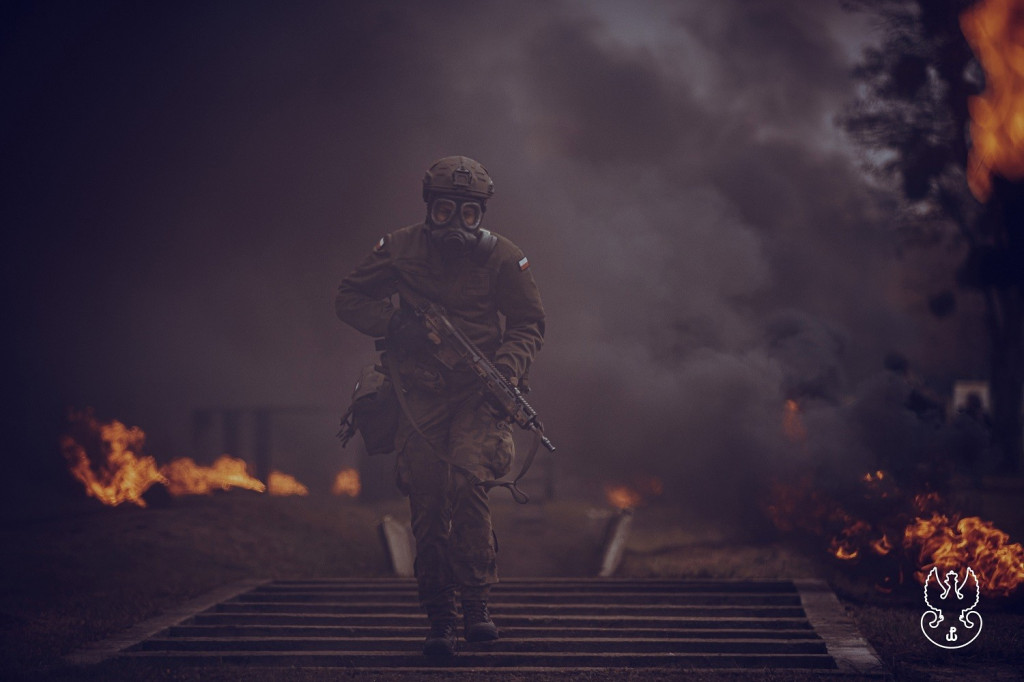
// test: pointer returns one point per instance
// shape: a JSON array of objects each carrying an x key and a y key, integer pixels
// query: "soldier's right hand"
[{"x": 407, "y": 333}]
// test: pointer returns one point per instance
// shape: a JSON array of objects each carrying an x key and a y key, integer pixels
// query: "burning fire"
[
  {"x": 347, "y": 483},
  {"x": 284, "y": 484},
  {"x": 995, "y": 30},
  {"x": 185, "y": 477},
  {"x": 949, "y": 544},
  {"x": 882, "y": 545},
  {"x": 846, "y": 545},
  {"x": 874, "y": 476},
  {"x": 623, "y": 496},
  {"x": 919, "y": 526},
  {"x": 120, "y": 475},
  {"x": 927, "y": 537},
  {"x": 793, "y": 423}
]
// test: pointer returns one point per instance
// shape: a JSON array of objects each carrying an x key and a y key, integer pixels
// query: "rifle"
[{"x": 454, "y": 347}]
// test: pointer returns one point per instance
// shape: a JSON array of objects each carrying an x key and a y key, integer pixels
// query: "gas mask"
[{"x": 455, "y": 225}]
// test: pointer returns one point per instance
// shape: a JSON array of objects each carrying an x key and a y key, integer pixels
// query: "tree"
[{"x": 912, "y": 118}]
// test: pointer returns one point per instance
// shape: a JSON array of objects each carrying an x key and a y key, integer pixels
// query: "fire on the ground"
[
  {"x": 624, "y": 496},
  {"x": 347, "y": 483},
  {"x": 918, "y": 530},
  {"x": 117, "y": 473}
]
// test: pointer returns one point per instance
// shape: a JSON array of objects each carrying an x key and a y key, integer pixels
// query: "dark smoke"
[{"x": 188, "y": 183}]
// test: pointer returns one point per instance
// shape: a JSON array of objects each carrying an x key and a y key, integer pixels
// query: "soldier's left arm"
[{"x": 519, "y": 300}]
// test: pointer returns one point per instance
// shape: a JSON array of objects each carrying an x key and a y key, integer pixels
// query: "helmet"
[{"x": 459, "y": 176}]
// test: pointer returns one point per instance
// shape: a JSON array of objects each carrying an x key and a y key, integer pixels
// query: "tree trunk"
[
  {"x": 1007, "y": 324},
  {"x": 1007, "y": 381}
]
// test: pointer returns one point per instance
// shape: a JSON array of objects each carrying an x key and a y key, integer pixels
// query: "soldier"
[{"x": 450, "y": 438}]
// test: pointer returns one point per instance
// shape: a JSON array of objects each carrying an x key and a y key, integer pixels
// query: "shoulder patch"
[
  {"x": 380, "y": 245},
  {"x": 524, "y": 263}
]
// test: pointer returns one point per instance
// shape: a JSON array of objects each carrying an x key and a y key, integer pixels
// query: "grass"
[
  {"x": 69, "y": 581},
  {"x": 72, "y": 580}
]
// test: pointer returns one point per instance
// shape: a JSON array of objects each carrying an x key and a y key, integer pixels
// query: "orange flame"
[
  {"x": 793, "y": 423},
  {"x": 347, "y": 483},
  {"x": 927, "y": 502},
  {"x": 879, "y": 484},
  {"x": 846, "y": 545},
  {"x": 950, "y": 545},
  {"x": 926, "y": 537},
  {"x": 120, "y": 476},
  {"x": 622, "y": 496},
  {"x": 937, "y": 541},
  {"x": 281, "y": 484},
  {"x": 995, "y": 30},
  {"x": 844, "y": 552},
  {"x": 874, "y": 476},
  {"x": 185, "y": 477},
  {"x": 882, "y": 545}
]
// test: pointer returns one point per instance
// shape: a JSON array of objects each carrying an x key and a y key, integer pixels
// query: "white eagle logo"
[{"x": 945, "y": 599}]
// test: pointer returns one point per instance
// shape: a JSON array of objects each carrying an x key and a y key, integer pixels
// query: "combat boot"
[
  {"x": 441, "y": 639},
  {"x": 477, "y": 621}
]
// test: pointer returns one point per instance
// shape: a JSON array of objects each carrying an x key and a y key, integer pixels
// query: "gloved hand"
[
  {"x": 405, "y": 332},
  {"x": 507, "y": 372}
]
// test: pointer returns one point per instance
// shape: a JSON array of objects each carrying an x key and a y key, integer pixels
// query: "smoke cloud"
[{"x": 190, "y": 183}]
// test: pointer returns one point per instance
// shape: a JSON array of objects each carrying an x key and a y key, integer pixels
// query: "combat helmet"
[{"x": 458, "y": 176}]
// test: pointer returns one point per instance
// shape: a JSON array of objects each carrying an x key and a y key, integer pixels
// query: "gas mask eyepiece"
[
  {"x": 455, "y": 224},
  {"x": 444, "y": 210}
]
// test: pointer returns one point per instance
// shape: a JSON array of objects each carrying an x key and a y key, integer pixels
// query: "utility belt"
[
  {"x": 375, "y": 406},
  {"x": 457, "y": 359}
]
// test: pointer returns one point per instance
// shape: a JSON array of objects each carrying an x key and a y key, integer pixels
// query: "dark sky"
[{"x": 186, "y": 183}]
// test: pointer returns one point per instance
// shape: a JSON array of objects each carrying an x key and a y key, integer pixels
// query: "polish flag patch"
[
  {"x": 380, "y": 245},
  {"x": 524, "y": 263}
]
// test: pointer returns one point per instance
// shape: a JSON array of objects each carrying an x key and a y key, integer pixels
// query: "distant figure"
[
  {"x": 974, "y": 408},
  {"x": 450, "y": 439}
]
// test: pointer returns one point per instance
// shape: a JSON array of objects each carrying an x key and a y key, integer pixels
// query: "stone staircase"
[{"x": 545, "y": 623}]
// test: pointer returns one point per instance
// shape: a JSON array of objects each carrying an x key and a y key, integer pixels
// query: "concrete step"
[
  {"x": 526, "y": 620},
  {"x": 546, "y": 624},
  {"x": 485, "y": 659},
  {"x": 505, "y": 644},
  {"x": 400, "y": 599},
  {"x": 514, "y": 609},
  {"x": 561, "y": 585},
  {"x": 377, "y": 631}
]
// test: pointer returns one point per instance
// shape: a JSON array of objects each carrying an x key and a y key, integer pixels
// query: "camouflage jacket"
[{"x": 473, "y": 292}]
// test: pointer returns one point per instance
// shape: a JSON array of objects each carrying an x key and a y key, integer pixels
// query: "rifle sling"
[
  {"x": 513, "y": 487},
  {"x": 396, "y": 382}
]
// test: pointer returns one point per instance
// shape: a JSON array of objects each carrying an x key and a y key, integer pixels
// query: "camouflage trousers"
[{"x": 451, "y": 519}]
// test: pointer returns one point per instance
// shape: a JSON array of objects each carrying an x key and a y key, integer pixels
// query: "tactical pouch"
[{"x": 373, "y": 412}]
